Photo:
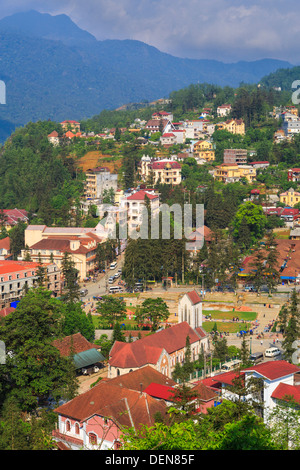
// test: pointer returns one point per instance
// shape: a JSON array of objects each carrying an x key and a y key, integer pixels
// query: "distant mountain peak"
[{"x": 46, "y": 26}]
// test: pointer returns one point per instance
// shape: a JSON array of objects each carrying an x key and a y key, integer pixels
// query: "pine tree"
[
  {"x": 292, "y": 331},
  {"x": 70, "y": 275}
]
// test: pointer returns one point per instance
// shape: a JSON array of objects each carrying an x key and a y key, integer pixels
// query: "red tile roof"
[
  {"x": 8, "y": 266},
  {"x": 204, "y": 393},
  {"x": 141, "y": 378},
  {"x": 162, "y": 392},
  {"x": 274, "y": 370},
  {"x": 194, "y": 297},
  {"x": 6, "y": 311},
  {"x": 76, "y": 342},
  {"x": 125, "y": 407},
  {"x": 162, "y": 165},
  {"x": 285, "y": 391},
  {"x": 148, "y": 350},
  {"x": 5, "y": 243},
  {"x": 140, "y": 196}
]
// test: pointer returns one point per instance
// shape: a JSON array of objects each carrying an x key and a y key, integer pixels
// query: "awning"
[
  {"x": 288, "y": 278},
  {"x": 87, "y": 358}
]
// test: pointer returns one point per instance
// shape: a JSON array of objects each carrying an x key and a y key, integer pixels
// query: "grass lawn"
[
  {"x": 228, "y": 327},
  {"x": 219, "y": 315}
]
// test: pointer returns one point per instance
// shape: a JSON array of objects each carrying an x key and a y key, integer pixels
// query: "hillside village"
[{"x": 141, "y": 326}]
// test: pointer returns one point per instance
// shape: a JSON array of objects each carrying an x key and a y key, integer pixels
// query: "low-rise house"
[
  {"x": 293, "y": 174},
  {"x": 232, "y": 173},
  {"x": 95, "y": 419},
  {"x": 223, "y": 110},
  {"x": 290, "y": 197},
  {"x": 5, "y": 252},
  {"x": 53, "y": 138},
  {"x": 161, "y": 350},
  {"x": 259, "y": 165},
  {"x": 10, "y": 217},
  {"x": 86, "y": 356}
]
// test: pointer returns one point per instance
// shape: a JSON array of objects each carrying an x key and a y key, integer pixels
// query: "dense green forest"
[{"x": 37, "y": 177}]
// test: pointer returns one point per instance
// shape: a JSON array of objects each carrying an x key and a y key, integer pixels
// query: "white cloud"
[{"x": 227, "y": 30}]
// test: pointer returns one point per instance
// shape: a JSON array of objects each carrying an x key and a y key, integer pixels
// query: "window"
[
  {"x": 92, "y": 438},
  {"x": 76, "y": 428},
  {"x": 68, "y": 426},
  {"x": 117, "y": 445}
]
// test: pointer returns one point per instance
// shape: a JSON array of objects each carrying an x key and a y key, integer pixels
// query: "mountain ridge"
[{"x": 76, "y": 76}]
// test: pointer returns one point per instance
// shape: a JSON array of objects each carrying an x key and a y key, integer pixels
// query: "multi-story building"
[
  {"x": 70, "y": 125},
  {"x": 235, "y": 157},
  {"x": 232, "y": 173},
  {"x": 98, "y": 180},
  {"x": 51, "y": 243},
  {"x": 235, "y": 126},
  {"x": 17, "y": 276},
  {"x": 166, "y": 172},
  {"x": 204, "y": 150},
  {"x": 135, "y": 204}
]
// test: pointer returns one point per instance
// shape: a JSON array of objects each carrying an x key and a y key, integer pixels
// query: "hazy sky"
[{"x": 227, "y": 30}]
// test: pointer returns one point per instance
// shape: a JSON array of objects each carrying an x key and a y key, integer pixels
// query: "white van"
[
  {"x": 113, "y": 265},
  {"x": 115, "y": 290},
  {"x": 272, "y": 352},
  {"x": 111, "y": 280}
]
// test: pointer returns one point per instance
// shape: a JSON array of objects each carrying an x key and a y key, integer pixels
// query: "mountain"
[
  {"x": 54, "y": 70},
  {"x": 56, "y": 28},
  {"x": 282, "y": 78}
]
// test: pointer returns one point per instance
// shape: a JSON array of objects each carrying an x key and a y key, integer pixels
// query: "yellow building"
[
  {"x": 290, "y": 197},
  {"x": 204, "y": 150},
  {"x": 232, "y": 173},
  {"x": 235, "y": 126}
]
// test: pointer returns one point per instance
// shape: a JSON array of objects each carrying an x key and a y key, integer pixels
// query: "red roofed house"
[
  {"x": 12, "y": 216},
  {"x": 190, "y": 309},
  {"x": 280, "y": 380},
  {"x": 5, "y": 252},
  {"x": 94, "y": 420},
  {"x": 87, "y": 357},
  {"x": 168, "y": 139},
  {"x": 293, "y": 174},
  {"x": 70, "y": 125},
  {"x": 161, "y": 350},
  {"x": 53, "y": 138}
]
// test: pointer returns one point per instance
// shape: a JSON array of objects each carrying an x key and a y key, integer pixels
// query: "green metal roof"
[{"x": 87, "y": 358}]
